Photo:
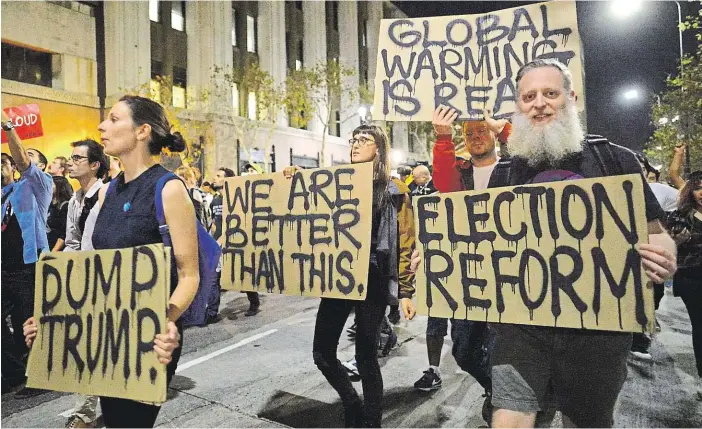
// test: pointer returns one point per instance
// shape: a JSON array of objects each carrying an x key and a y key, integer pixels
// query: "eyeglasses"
[
  {"x": 77, "y": 158},
  {"x": 361, "y": 141}
]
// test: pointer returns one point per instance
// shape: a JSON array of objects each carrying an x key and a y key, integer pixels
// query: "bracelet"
[{"x": 8, "y": 126}]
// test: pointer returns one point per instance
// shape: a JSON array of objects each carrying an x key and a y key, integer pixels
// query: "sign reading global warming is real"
[
  {"x": 98, "y": 313},
  {"x": 470, "y": 62},
  {"x": 559, "y": 254},
  {"x": 307, "y": 235}
]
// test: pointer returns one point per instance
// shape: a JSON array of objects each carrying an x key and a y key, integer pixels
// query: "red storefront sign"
[{"x": 27, "y": 121}]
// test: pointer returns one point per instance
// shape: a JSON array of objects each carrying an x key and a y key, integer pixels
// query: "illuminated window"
[
  {"x": 26, "y": 65},
  {"x": 252, "y": 106},
  {"x": 178, "y": 15},
  {"x": 298, "y": 65},
  {"x": 235, "y": 99},
  {"x": 179, "y": 85},
  {"x": 250, "y": 33},
  {"x": 153, "y": 11}
]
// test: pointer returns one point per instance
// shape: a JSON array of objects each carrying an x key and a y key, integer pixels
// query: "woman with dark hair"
[
  {"x": 686, "y": 228},
  {"x": 58, "y": 213},
  {"x": 368, "y": 144},
  {"x": 136, "y": 131}
]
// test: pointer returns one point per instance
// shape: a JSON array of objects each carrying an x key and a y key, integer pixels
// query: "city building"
[{"x": 74, "y": 59}]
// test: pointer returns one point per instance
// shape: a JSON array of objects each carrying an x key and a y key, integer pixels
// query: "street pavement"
[{"x": 258, "y": 372}]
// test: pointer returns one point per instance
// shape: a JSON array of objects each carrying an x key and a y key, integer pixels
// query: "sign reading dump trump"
[
  {"x": 560, "y": 254},
  {"x": 98, "y": 313},
  {"x": 470, "y": 62},
  {"x": 308, "y": 235}
]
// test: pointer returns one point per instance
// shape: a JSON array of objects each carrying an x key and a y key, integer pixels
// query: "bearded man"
[{"x": 534, "y": 368}]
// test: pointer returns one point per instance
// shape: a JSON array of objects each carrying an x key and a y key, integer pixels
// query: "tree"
[
  {"x": 677, "y": 112},
  {"x": 270, "y": 99},
  {"x": 318, "y": 92},
  {"x": 161, "y": 90}
]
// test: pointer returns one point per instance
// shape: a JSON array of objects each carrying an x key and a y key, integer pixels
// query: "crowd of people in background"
[{"x": 42, "y": 212}]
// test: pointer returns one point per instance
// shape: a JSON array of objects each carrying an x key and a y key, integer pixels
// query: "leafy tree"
[
  {"x": 677, "y": 112},
  {"x": 270, "y": 99}
]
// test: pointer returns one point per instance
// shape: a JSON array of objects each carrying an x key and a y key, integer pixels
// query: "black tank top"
[{"x": 127, "y": 217}]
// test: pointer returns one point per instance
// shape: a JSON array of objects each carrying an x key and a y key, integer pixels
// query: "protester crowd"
[{"x": 521, "y": 368}]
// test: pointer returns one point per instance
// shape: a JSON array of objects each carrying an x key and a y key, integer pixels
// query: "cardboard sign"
[
  {"x": 558, "y": 254},
  {"x": 470, "y": 62},
  {"x": 27, "y": 121},
  {"x": 308, "y": 235},
  {"x": 98, "y": 313}
]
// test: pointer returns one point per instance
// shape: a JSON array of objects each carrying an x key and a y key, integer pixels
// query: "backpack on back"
[{"x": 209, "y": 253}]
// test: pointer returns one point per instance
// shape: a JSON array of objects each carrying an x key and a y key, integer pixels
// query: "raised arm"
[
  {"x": 676, "y": 165},
  {"x": 17, "y": 150}
]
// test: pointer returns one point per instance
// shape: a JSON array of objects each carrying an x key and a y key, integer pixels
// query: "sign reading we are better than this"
[
  {"x": 560, "y": 254},
  {"x": 308, "y": 235},
  {"x": 470, "y": 62},
  {"x": 98, "y": 313}
]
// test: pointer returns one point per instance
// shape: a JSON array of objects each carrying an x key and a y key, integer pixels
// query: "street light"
[
  {"x": 631, "y": 94},
  {"x": 625, "y": 8}
]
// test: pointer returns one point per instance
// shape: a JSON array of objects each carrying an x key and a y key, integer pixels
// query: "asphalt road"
[{"x": 258, "y": 372}]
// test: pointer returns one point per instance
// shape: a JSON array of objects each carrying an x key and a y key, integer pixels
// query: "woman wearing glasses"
[{"x": 369, "y": 144}]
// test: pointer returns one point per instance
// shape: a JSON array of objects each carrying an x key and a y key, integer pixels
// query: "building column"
[
  {"x": 315, "y": 48},
  {"x": 210, "y": 45},
  {"x": 375, "y": 14},
  {"x": 127, "y": 47},
  {"x": 348, "y": 29},
  {"x": 271, "y": 42}
]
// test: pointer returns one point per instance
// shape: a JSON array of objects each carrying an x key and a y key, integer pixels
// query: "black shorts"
[{"x": 579, "y": 372}]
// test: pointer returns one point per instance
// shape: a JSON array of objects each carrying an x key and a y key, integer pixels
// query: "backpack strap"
[
  {"x": 158, "y": 201},
  {"x": 602, "y": 150},
  {"x": 502, "y": 174}
]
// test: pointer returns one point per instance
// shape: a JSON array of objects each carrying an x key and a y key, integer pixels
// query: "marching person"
[
  {"x": 58, "y": 167},
  {"x": 451, "y": 174},
  {"x": 369, "y": 143},
  {"x": 136, "y": 131},
  {"x": 582, "y": 371},
  {"x": 686, "y": 226},
  {"x": 58, "y": 212},
  {"x": 25, "y": 209}
]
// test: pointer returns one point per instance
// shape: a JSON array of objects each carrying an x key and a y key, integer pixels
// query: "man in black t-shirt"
[{"x": 534, "y": 368}]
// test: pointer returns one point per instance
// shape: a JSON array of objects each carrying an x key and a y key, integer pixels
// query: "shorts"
[{"x": 579, "y": 372}]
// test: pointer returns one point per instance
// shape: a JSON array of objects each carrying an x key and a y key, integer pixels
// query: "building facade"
[{"x": 81, "y": 56}]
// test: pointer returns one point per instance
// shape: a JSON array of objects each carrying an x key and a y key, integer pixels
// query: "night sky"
[{"x": 637, "y": 52}]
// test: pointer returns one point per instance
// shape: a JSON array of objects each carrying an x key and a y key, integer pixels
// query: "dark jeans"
[
  {"x": 253, "y": 299},
  {"x": 692, "y": 298},
  {"x": 126, "y": 413},
  {"x": 331, "y": 318},
  {"x": 472, "y": 346},
  {"x": 18, "y": 304}
]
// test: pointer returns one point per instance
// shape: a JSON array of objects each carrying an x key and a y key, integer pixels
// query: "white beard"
[{"x": 549, "y": 143}]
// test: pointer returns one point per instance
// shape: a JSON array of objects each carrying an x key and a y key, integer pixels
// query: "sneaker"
[
  {"x": 352, "y": 369},
  {"x": 212, "y": 319},
  {"x": 352, "y": 330},
  {"x": 253, "y": 310},
  {"x": 76, "y": 422},
  {"x": 641, "y": 353},
  {"x": 29, "y": 392},
  {"x": 429, "y": 381}
]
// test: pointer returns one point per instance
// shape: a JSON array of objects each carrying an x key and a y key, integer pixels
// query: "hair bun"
[{"x": 174, "y": 142}]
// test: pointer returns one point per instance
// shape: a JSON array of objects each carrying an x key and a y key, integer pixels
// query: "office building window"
[
  {"x": 250, "y": 33},
  {"x": 252, "y": 106},
  {"x": 154, "y": 14},
  {"x": 233, "y": 27},
  {"x": 235, "y": 99},
  {"x": 26, "y": 65},
  {"x": 179, "y": 88},
  {"x": 364, "y": 33},
  {"x": 178, "y": 15},
  {"x": 298, "y": 65}
]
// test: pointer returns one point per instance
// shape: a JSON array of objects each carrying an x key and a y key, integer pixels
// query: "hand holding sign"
[
  {"x": 165, "y": 344},
  {"x": 30, "y": 331},
  {"x": 658, "y": 263},
  {"x": 26, "y": 120},
  {"x": 443, "y": 120}
]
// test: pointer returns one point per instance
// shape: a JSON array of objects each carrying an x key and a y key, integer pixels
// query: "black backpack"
[{"x": 601, "y": 149}]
